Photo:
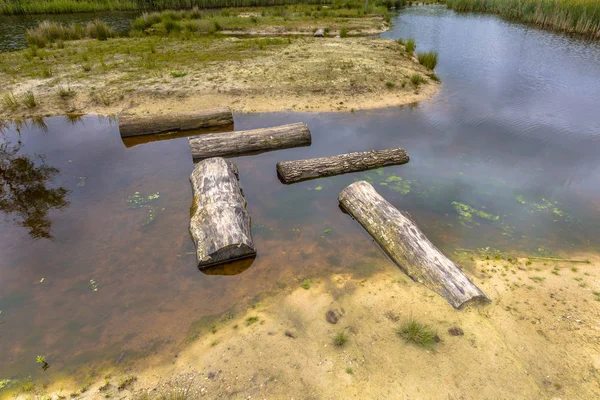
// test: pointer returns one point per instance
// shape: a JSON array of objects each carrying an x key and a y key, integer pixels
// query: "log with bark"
[
  {"x": 219, "y": 221},
  {"x": 301, "y": 170},
  {"x": 407, "y": 246},
  {"x": 135, "y": 125},
  {"x": 250, "y": 142},
  {"x": 156, "y": 137}
]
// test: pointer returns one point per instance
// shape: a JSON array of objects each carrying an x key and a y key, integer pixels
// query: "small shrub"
[
  {"x": 434, "y": 77},
  {"x": 87, "y": 67},
  {"x": 126, "y": 382},
  {"x": 46, "y": 71},
  {"x": 9, "y": 101},
  {"x": 414, "y": 332},
  {"x": 428, "y": 59},
  {"x": 349, "y": 371},
  {"x": 410, "y": 45},
  {"x": 390, "y": 85},
  {"x": 178, "y": 74},
  {"x": 306, "y": 284},
  {"x": 416, "y": 80},
  {"x": 340, "y": 338},
  {"x": 344, "y": 32},
  {"x": 171, "y": 26},
  {"x": 28, "y": 100},
  {"x": 252, "y": 320}
]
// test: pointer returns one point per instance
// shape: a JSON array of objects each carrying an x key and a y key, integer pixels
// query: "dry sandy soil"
[
  {"x": 539, "y": 339},
  {"x": 150, "y": 75}
]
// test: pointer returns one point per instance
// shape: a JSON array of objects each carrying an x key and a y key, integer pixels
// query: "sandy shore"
[
  {"x": 537, "y": 340},
  {"x": 151, "y": 75}
]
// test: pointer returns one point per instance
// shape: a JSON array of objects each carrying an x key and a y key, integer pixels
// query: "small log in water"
[
  {"x": 250, "y": 142},
  {"x": 301, "y": 170},
  {"x": 220, "y": 223},
  {"x": 407, "y": 246},
  {"x": 135, "y": 125}
]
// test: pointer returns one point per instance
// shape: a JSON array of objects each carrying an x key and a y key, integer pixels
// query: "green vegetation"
[
  {"x": 414, "y": 332},
  {"x": 410, "y": 45},
  {"x": 389, "y": 85},
  {"x": 306, "y": 284},
  {"x": 597, "y": 294},
  {"x": 9, "y": 101},
  {"x": 340, "y": 338},
  {"x": 417, "y": 80},
  {"x": 49, "y": 32},
  {"x": 428, "y": 59},
  {"x": 252, "y": 320},
  {"x": 572, "y": 16},
  {"x": 349, "y": 371},
  {"x": 466, "y": 213},
  {"x": 126, "y": 382},
  {"x": 29, "y": 100}
]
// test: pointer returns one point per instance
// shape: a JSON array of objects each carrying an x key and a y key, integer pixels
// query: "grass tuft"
[
  {"x": 414, "y": 332},
  {"x": 306, "y": 284},
  {"x": 9, "y": 101},
  {"x": 410, "y": 45},
  {"x": 428, "y": 59},
  {"x": 340, "y": 338},
  {"x": 28, "y": 100},
  {"x": 416, "y": 80}
]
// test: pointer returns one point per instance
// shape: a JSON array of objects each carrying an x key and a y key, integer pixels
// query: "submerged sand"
[
  {"x": 249, "y": 75},
  {"x": 538, "y": 339}
]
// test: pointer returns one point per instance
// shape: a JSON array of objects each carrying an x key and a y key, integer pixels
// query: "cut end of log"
[
  {"x": 227, "y": 254},
  {"x": 136, "y": 125}
]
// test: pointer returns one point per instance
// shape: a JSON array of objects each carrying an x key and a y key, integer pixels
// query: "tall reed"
[{"x": 571, "y": 16}]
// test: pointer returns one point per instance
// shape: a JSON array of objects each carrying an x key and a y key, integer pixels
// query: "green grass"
[
  {"x": 49, "y": 32},
  {"x": 410, "y": 45},
  {"x": 252, "y": 320},
  {"x": 28, "y": 100},
  {"x": 340, "y": 338},
  {"x": 126, "y": 382},
  {"x": 416, "y": 80},
  {"x": 414, "y": 332},
  {"x": 306, "y": 284},
  {"x": 572, "y": 16},
  {"x": 428, "y": 59},
  {"x": 389, "y": 85},
  {"x": 9, "y": 101}
]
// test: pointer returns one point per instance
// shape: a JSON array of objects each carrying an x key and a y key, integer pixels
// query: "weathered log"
[
  {"x": 135, "y": 125},
  {"x": 407, "y": 246},
  {"x": 250, "y": 142},
  {"x": 156, "y": 137},
  {"x": 219, "y": 221},
  {"x": 301, "y": 170}
]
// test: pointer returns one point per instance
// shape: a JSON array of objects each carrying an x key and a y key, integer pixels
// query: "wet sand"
[{"x": 538, "y": 339}]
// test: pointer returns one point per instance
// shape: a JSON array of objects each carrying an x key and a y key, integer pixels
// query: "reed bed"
[
  {"x": 49, "y": 32},
  {"x": 572, "y": 16},
  {"x": 73, "y": 6}
]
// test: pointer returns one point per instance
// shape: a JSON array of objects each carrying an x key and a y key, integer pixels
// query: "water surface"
[{"x": 97, "y": 267}]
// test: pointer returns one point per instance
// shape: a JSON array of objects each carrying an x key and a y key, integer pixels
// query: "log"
[
  {"x": 156, "y": 137},
  {"x": 407, "y": 246},
  {"x": 250, "y": 142},
  {"x": 301, "y": 170},
  {"x": 135, "y": 125},
  {"x": 219, "y": 221}
]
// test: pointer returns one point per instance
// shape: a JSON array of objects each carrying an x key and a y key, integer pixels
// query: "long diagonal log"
[
  {"x": 220, "y": 223},
  {"x": 301, "y": 170},
  {"x": 136, "y": 125},
  {"x": 250, "y": 142},
  {"x": 407, "y": 246}
]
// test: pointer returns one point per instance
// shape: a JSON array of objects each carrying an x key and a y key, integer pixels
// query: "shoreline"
[
  {"x": 248, "y": 75},
  {"x": 538, "y": 332}
]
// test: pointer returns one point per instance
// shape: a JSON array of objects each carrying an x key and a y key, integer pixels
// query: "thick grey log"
[
  {"x": 249, "y": 142},
  {"x": 407, "y": 246},
  {"x": 301, "y": 170},
  {"x": 220, "y": 223},
  {"x": 135, "y": 125}
]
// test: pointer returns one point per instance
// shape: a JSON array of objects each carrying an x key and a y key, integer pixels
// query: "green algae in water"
[
  {"x": 543, "y": 205},
  {"x": 466, "y": 213},
  {"x": 136, "y": 200}
]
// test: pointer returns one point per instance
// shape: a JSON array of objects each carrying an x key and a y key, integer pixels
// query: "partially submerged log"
[
  {"x": 250, "y": 142},
  {"x": 220, "y": 223},
  {"x": 135, "y": 125},
  {"x": 156, "y": 137},
  {"x": 407, "y": 246},
  {"x": 300, "y": 170}
]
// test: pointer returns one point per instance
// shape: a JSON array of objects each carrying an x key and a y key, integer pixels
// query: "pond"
[{"x": 97, "y": 264}]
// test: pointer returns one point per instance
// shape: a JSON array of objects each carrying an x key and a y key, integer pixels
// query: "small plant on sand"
[
  {"x": 416, "y": 80},
  {"x": 28, "y": 100},
  {"x": 597, "y": 294},
  {"x": 574, "y": 269},
  {"x": 99, "y": 30},
  {"x": 126, "y": 382},
  {"x": 389, "y": 85},
  {"x": 178, "y": 74},
  {"x": 9, "y": 101},
  {"x": 428, "y": 59},
  {"x": 213, "y": 343},
  {"x": 252, "y": 320},
  {"x": 306, "y": 284},
  {"x": 349, "y": 371},
  {"x": 410, "y": 45},
  {"x": 344, "y": 31},
  {"x": 65, "y": 93},
  {"x": 42, "y": 361},
  {"x": 340, "y": 338},
  {"x": 434, "y": 77},
  {"x": 414, "y": 332}
]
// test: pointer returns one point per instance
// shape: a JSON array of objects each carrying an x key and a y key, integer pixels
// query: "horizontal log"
[
  {"x": 157, "y": 137},
  {"x": 219, "y": 221},
  {"x": 250, "y": 142},
  {"x": 301, "y": 170},
  {"x": 407, "y": 246},
  {"x": 135, "y": 125}
]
